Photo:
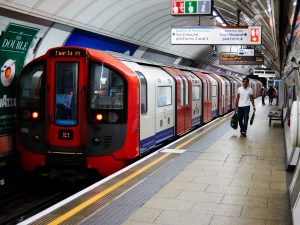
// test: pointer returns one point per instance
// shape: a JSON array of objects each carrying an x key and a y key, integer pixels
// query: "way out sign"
[{"x": 211, "y": 35}]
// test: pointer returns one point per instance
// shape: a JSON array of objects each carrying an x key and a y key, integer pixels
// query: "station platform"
[{"x": 213, "y": 176}]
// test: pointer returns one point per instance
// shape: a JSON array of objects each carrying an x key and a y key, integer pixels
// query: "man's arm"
[
  {"x": 252, "y": 101},
  {"x": 237, "y": 100}
]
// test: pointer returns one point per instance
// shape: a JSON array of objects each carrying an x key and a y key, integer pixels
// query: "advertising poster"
[{"x": 15, "y": 42}]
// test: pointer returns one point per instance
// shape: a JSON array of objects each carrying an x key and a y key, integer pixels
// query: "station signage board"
[
  {"x": 215, "y": 35},
  {"x": 246, "y": 52},
  {"x": 234, "y": 59},
  {"x": 191, "y": 7},
  {"x": 264, "y": 73}
]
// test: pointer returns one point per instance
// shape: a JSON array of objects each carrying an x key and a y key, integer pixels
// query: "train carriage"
[{"x": 83, "y": 108}]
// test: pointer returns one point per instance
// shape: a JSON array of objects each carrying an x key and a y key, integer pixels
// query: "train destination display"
[{"x": 234, "y": 59}]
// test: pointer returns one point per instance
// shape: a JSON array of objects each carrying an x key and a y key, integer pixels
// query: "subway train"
[{"x": 83, "y": 108}]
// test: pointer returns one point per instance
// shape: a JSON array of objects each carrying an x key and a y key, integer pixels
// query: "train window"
[
  {"x": 196, "y": 92},
  {"x": 164, "y": 96},
  {"x": 186, "y": 90},
  {"x": 208, "y": 89},
  {"x": 144, "y": 102},
  {"x": 31, "y": 85},
  {"x": 107, "y": 88},
  {"x": 181, "y": 92},
  {"x": 214, "y": 91},
  {"x": 66, "y": 82}
]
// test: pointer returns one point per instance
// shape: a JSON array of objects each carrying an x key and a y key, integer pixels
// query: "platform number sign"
[{"x": 191, "y": 7}]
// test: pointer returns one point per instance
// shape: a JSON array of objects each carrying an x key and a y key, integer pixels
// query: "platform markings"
[
  {"x": 130, "y": 177},
  {"x": 120, "y": 183}
]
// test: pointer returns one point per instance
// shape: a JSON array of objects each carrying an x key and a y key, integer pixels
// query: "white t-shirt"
[{"x": 244, "y": 96}]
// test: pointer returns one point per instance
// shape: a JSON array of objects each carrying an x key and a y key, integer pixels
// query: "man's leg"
[
  {"x": 246, "y": 117},
  {"x": 241, "y": 118}
]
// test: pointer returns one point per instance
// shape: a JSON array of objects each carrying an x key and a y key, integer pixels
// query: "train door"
[
  {"x": 65, "y": 101},
  {"x": 228, "y": 98},
  {"x": 179, "y": 102},
  {"x": 196, "y": 100},
  {"x": 214, "y": 95},
  {"x": 187, "y": 88}
]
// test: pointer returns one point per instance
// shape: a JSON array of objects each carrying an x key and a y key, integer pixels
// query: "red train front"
[{"x": 73, "y": 110}]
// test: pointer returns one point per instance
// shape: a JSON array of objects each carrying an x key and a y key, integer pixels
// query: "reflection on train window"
[
  {"x": 144, "y": 103},
  {"x": 214, "y": 91},
  {"x": 66, "y": 82},
  {"x": 181, "y": 92},
  {"x": 106, "y": 88},
  {"x": 208, "y": 90},
  {"x": 164, "y": 96},
  {"x": 31, "y": 85},
  {"x": 186, "y": 90},
  {"x": 196, "y": 92}
]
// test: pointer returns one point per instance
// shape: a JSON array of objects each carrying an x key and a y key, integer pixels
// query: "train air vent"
[
  {"x": 107, "y": 141},
  {"x": 65, "y": 160}
]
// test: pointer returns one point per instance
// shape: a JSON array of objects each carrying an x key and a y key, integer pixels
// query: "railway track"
[{"x": 25, "y": 195}]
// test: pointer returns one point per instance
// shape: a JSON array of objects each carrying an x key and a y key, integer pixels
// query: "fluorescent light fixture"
[
  {"x": 219, "y": 20},
  {"x": 295, "y": 3}
]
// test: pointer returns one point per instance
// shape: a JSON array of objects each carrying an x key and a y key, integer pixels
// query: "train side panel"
[
  {"x": 165, "y": 104},
  {"x": 147, "y": 114},
  {"x": 214, "y": 94},
  {"x": 196, "y": 98}
]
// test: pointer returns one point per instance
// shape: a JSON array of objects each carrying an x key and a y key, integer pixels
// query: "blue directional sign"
[{"x": 210, "y": 35}]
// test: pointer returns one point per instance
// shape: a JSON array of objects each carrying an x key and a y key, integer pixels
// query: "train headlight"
[
  {"x": 35, "y": 115},
  {"x": 99, "y": 117}
]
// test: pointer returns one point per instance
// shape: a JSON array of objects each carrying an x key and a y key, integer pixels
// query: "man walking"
[{"x": 244, "y": 96}]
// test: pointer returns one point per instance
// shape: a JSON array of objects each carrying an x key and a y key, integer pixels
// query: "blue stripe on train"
[
  {"x": 154, "y": 140},
  {"x": 214, "y": 113},
  {"x": 196, "y": 121}
]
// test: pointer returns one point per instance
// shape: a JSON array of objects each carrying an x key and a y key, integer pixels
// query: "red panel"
[
  {"x": 106, "y": 165},
  {"x": 207, "y": 103},
  {"x": 180, "y": 110},
  {"x": 220, "y": 110},
  {"x": 188, "y": 107}
]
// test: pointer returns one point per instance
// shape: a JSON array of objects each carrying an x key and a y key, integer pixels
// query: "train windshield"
[
  {"x": 66, "y": 83},
  {"x": 31, "y": 85},
  {"x": 106, "y": 88}
]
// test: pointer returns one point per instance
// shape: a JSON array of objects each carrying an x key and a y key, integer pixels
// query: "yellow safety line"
[
  {"x": 105, "y": 192},
  {"x": 120, "y": 183},
  {"x": 203, "y": 132}
]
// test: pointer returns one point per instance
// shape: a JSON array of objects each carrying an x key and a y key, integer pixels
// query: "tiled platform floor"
[{"x": 237, "y": 181}]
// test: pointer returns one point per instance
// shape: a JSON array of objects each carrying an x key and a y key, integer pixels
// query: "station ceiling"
[{"x": 148, "y": 22}]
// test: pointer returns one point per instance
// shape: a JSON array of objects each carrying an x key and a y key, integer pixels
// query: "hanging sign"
[
  {"x": 234, "y": 59},
  {"x": 191, "y": 7},
  {"x": 213, "y": 35}
]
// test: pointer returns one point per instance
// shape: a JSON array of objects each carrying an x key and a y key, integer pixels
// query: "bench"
[{"x": 276, "y": 114}]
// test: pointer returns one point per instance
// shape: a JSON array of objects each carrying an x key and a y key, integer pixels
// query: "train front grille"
[{"x": 71, "y": 160}]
